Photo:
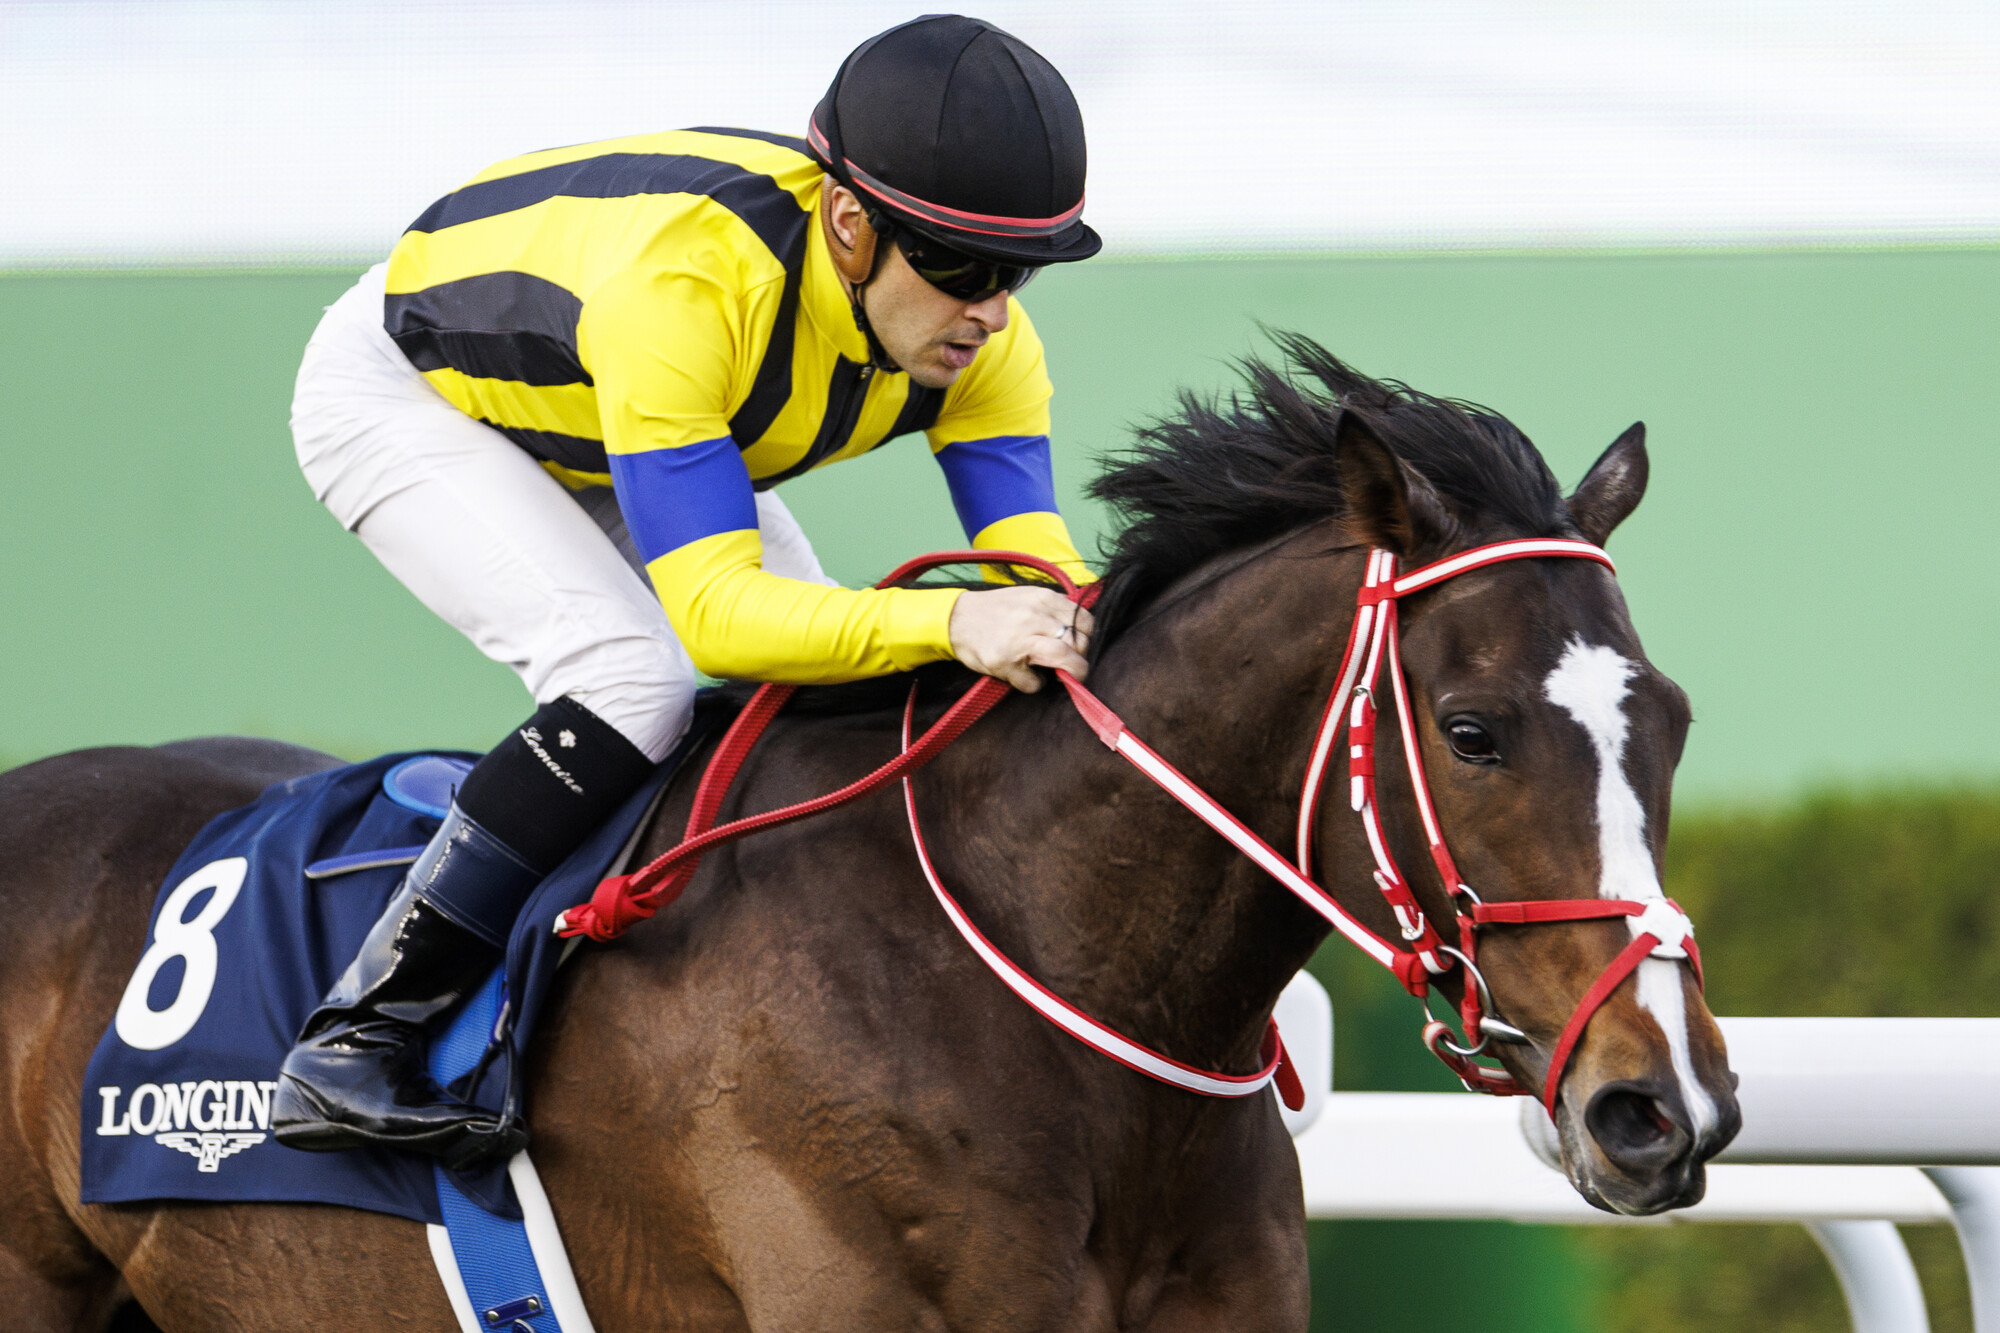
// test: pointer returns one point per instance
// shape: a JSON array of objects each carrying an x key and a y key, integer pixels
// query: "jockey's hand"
[{"x": 1006, "y": 632}]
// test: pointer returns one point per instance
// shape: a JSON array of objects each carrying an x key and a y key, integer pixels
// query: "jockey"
[{"x": 583, "y": 372}]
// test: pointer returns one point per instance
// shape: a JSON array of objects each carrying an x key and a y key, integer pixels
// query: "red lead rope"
[{"x": 1659, "y": 927}]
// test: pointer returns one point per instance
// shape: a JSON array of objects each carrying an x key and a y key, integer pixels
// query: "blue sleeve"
[
  {"x": 998, "y": 478},
  {"x": 671, "y": 497}
]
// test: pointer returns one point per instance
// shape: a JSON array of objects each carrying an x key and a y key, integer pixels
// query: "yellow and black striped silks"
[{"x": 660, "y": 314}]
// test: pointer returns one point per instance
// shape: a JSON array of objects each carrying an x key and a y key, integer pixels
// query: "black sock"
[{"x": 556, "y": 777}]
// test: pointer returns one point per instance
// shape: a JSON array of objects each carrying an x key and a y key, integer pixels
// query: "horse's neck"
[{"x": 1114, "y": 895}]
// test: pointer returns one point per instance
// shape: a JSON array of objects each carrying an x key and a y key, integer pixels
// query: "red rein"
[
  {"x": 624, "y": 900},
  {"x": 1659, "y": 927}
]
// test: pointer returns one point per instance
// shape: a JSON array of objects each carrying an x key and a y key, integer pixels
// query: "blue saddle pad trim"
[
  {"x": 495, "y": 1260},
  {"x": 335, "y": 866}
]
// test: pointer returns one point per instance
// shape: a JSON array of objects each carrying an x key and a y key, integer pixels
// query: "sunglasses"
[{"x": 957, "y": 274}]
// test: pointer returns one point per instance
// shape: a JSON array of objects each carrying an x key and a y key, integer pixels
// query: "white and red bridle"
[{"x": 1659, "y": 928}]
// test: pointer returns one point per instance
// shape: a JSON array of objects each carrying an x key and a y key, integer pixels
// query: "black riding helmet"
[{"x": 949, "y": 128}]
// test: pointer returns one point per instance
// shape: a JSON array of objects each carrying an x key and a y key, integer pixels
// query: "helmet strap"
[
  {"x": 878, "y": 355},
  {"x": 856, "y": 265}
]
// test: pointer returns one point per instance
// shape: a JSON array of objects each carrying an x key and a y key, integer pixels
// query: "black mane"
[{"x": 1228, "y": 471}]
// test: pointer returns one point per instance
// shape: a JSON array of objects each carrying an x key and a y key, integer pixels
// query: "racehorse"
[{"x": 795, "y": 1100}]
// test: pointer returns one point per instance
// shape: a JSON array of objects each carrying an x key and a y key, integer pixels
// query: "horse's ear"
[
  {"x": 1612, "y": 488},
  {"x": 1388, "y": 503}
]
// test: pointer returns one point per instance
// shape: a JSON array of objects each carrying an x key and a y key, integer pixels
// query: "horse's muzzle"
[{"x": 1642, "y": 1132}]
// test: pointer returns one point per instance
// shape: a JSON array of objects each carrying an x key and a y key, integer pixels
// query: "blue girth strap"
[{"x": 510, "y": 1275}]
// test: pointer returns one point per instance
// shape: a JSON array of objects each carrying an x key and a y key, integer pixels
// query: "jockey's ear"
[
  {"x": 849, "y": 238},
  {"x": 1388, "y": 503},
  {"x": 1612, "y": 488}
]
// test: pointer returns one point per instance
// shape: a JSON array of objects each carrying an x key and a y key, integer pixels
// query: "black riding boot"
[{"x": 357, "y": 1075}]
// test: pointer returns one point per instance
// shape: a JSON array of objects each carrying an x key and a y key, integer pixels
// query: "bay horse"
[{"x": 796, "y": 1100}]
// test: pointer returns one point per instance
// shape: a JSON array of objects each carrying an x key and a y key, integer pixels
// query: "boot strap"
[{"x": 473, "y": 878}]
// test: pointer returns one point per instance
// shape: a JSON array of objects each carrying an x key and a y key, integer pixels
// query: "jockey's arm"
[{"x": 661, "y": 349}]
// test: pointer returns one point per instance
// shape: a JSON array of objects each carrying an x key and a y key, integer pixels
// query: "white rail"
[
  {"x": 1454, "y": 1155},
  {"x": 1876, "y": 1276},
  {"x": 1919, "y": 1091},
  {"x": 1850, "y": 1125}
]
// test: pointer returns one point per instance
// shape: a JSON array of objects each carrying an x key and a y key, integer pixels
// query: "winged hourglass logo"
[{"x": 208, "y": 1149}]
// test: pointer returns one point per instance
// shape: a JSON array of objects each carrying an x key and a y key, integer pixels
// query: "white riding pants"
[{"x": 538, "y": 576}]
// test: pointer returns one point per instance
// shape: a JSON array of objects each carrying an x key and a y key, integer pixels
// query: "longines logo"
[{"x": 208, "y": 1119}]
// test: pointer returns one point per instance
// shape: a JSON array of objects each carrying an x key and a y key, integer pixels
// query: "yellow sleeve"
[
  {"x": 1042, "y": 533},
  {"x": 671, "y": 354},
  {"x": 741, "y": 623}
]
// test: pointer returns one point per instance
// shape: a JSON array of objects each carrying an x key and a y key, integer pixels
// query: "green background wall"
[{"x": 1812, "y": 564}]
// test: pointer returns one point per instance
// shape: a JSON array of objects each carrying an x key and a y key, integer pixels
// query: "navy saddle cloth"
[{"x": 243, "y": 945}]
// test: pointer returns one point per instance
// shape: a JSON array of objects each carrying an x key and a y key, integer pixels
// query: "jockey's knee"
[{"x": 644, "y": 688}]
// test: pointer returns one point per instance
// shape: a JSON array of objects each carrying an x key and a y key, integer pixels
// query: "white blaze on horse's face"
[{"x": 1590, "y": 683}]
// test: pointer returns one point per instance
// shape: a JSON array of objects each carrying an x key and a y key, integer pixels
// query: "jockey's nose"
[{"x": 990, "y": 314}]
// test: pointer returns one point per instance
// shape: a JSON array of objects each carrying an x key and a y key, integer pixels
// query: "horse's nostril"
[{"x": 1634, "y": 1129}]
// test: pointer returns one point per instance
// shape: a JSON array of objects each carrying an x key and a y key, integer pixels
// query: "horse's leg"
[
  {"x": 130, "y": 1317},
  {"x": 1257, "y": 1290},
  {"x": 51, "y": 1277},
  {"x": 75, "y": 923},
  {"x": 1243, "y": 1270}
]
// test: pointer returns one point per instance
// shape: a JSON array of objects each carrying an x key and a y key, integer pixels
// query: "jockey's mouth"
[{"x": 958, "y": 353}]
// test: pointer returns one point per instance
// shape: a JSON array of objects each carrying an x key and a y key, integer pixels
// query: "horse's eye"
[{"x": 1471, "y": 742}]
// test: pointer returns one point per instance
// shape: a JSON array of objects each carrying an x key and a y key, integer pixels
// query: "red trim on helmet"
[{"x": 985, "y": 224}]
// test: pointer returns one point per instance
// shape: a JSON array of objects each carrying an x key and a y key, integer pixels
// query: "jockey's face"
[{"x": 929, "y": 334}]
